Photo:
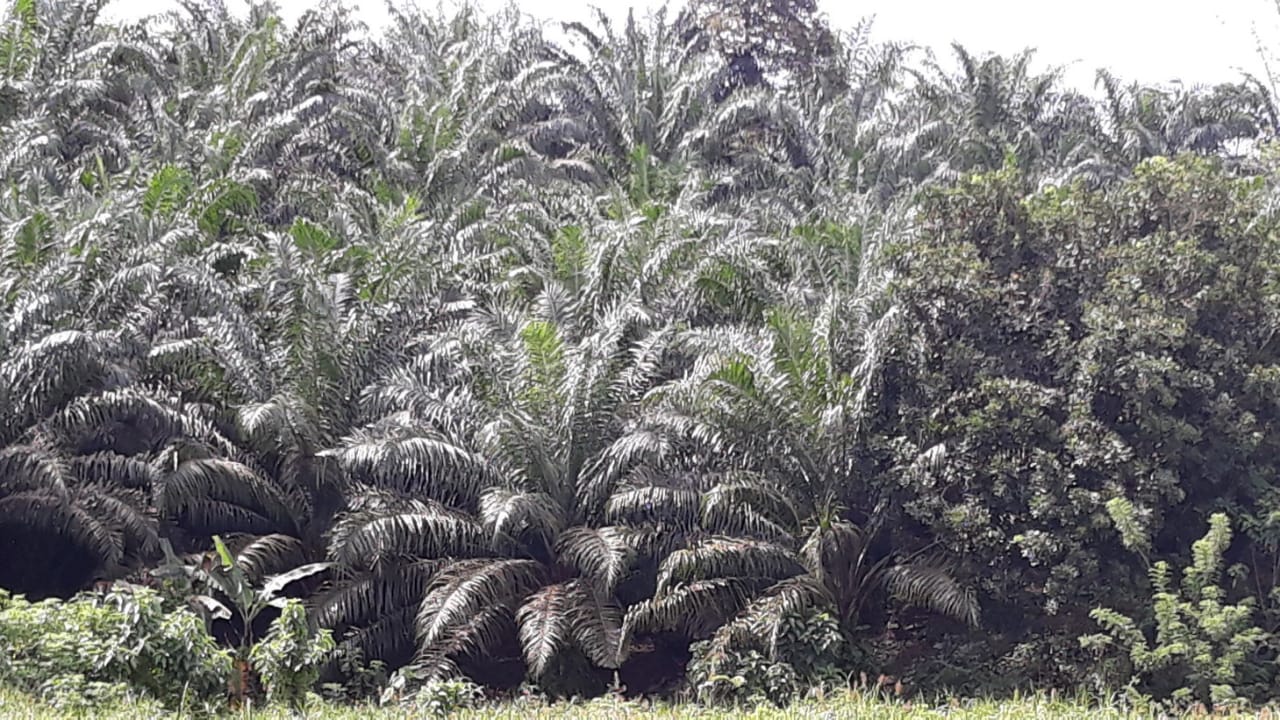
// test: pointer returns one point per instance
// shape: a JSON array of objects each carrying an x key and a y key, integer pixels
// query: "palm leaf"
[
  {"x": 695, "y": 609},
  {"x": 27, "y": 467},
  {"x": 69, "y": 524},
  {"x": 545, "y": 623},
  {"x": 432, "y": 534},
  {"x": 930, "y": 586},
  {"x": 602, "y": 555},
  {"x": 431, "y": 466},
  {"x": 509, "y": 513},
  {"x": 114, "y": 509},
  {"x": 364, "y": 598},
  {"x": 461, "y": 591},
  {"x": 678, "y": 507},
  {"x": 274, "y": 584},
  {"x": 270, "y": 553},
  {"x": 112, "y": 470},
  {"x": 213, "y": 480},
  {"x": 474, "y": 637},
  {"x": 596, "y": 625},
  {"x": 730, "y": 514},
  {"x": 728, "y": 558}
]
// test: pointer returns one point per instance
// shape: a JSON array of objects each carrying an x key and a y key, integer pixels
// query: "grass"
[{"x": 1038, "y": 707}]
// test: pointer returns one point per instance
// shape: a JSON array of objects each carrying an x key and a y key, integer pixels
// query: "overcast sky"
[{"x": 1148, "y": 40}]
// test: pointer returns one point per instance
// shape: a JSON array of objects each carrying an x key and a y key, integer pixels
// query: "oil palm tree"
[
  {"x": 1135, "y": 122},
  {"x": 626, "y": 100},
  {"x": 87, "y": 431},
  {"x": 499, "y": 503},
  {"x": 79, "y": 95},
  {"x": 791, "y": 403}
]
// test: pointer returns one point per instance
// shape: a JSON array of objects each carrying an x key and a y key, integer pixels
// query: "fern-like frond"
[
  {"x": 113, "y": 470},
  {"x": 269, "y": 555},
  {"x": 41, "y": 375},
  {"x": 61, "y": 525},
  {"x": 602, "y": 555},
  {"x": 125, "y": 517},
  {"x": 565, "y": 614},
  {"x": 596, "y": 624},
  {"x": 729, "y": 513},
  {"x": 507, "y": 514},
  {"x": 728, "y": 558},
  {"x": 932, "y": 587},
  {"x": 695, "y": 609},
  {"x": 460, "y": 592},
  {"x": 474, "y": 637},
  {"x": 217, "y": 481},
  {"x": 546, "y": 625},
  {"x": 431, "y": 466},
  {"x": 361, "y": 599},
  {"x": 95, "y": 421},
  {"x": 770, "y": 500},
  {"x": 427, "y": 535},
  {"x": 386, "y": 636},
  {"x": 678, "y": 507},
  {"x": 29, "y": 467}
]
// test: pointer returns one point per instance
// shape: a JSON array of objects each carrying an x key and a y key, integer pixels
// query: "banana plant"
[
  {"x": 233, "y": 577},
  {"x": 233, "y": 580}
]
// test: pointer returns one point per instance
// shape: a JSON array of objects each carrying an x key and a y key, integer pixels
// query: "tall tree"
[{"x": 762, "y": 42}]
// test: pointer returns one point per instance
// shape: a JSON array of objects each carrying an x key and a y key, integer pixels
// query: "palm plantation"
[{"x": 561, "y": 357}]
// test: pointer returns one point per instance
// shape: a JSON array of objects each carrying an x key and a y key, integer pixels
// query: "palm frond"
[
  {"x": 932, "y": 587},
  {"x": 427, "y": 535},
  {"x": 430, "y": 466},
  {"x": 475, "y": 637},
  {"x": 545, "y": 621},
  {"x": 113, "y": 470},
  {"x": 361, "y": 600},
  {"x": 509, "y": 513},
  {"x": 28, "y": 467},
  {"x": 680, "y": 507},
  {"x": 62, "y": 526},
  {"x": 695, "y": 609},
  {"x": 126, "y": 517},
  {"x": 197, "y": 486},
  {"x": 269, "y": 555},
  {"x": 603, "y": 555},
  {"x": 596, "y": 625},
  {"x": 728, "y": 558},
  {"x": 460, "y": 592}
]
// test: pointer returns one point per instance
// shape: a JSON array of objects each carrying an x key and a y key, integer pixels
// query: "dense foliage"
[
  {"x": 719, "y": 339},
  {"x": 123, "y": 646}
]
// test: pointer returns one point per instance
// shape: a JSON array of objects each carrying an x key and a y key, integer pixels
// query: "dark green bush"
[
  {"x": 748, "y": 667},
  {"x": 288, "y": 660},
  {"x": 1192, "y": 645},
  {"x": 98, "y": 648}
]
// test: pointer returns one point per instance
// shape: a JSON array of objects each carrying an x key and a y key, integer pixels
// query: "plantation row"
[{"x": 718, "y": 354}]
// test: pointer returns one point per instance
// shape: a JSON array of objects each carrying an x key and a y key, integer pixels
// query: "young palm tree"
[
  {"x": 86, "y": 430},
  {"x": 78, "y": 95},
  {"x": 499, "y": 504},
  {"x": 778, "y": 403}
]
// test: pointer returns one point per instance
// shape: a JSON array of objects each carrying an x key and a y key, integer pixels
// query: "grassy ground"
[{"x": 17, "y": 707}]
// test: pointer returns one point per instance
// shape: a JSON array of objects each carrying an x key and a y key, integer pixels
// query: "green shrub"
[
  {"x": 746, "y": 665},
  {"x": 99, "y": 649},
  {"x": 360, "y": 678},
  {"x": 437, "y": 697},
  {"x": 1201, "y": 643},
  {"x": 289, "y": 658}
]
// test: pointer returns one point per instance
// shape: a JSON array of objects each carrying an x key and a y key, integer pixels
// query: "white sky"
[{"x": 1148, "y": 40}]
